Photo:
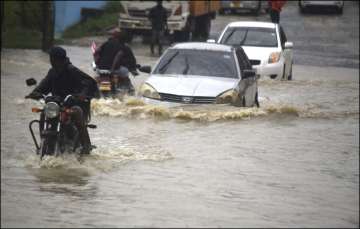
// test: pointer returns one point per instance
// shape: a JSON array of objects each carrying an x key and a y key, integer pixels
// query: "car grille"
[
  {"x": 137, "y": 13},
  {"x": 186, "y": 99},
  {"x": 143, "y": 13},
  {"x": 255, "y": 62}
]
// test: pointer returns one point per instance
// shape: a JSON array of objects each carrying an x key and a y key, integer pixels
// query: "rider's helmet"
[{"x": 117, "y": 33}]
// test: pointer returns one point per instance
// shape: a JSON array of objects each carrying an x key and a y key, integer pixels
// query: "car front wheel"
[
  {"x": 290, "y": 73},
  {"x": 257, "y": 100}
]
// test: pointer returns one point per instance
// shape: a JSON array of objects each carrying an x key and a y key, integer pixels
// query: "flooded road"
[{"x": 292, "y": 162}]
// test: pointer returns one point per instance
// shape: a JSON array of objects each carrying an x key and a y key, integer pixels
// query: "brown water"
[{"x": 293, "y": 162}]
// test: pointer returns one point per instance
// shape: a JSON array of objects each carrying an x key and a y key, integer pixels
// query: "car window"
[
  {"x": 248, "y": 36},
  {"x": 197, "y": 62}
]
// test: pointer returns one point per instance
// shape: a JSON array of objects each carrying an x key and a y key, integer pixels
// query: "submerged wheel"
[
  {"x": 284, "y": 72},
  {"x": 290, "y": 74},
  {"x": 257, "y": 100}
]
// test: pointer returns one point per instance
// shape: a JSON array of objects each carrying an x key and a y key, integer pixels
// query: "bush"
[
  {"x": 17, "y": 37},
  {"x": 97, "y": 25}
]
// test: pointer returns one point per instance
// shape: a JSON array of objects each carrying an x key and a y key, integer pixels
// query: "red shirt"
[{"x": 276, "y": 5}]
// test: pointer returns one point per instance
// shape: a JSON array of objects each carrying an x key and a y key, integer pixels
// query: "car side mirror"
[
  {"x": 93, "y": 65},
  {"x": 211, "y": 41},
  {"x": 247, "y": 73},
  {"x": 146, "y": 69},
  {"x": 288, "y": 45},
  {"x": 31, "y": 82}
]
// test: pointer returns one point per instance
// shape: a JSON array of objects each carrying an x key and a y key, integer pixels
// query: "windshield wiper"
[
  {"x": 186, "y": 67},
  {"x": 230, "y": 34},
  {"x": 243, "y": 40},
  {"x": 164, "y": 67}
]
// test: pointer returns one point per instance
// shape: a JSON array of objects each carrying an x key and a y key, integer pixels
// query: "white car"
[
  {"x": 265, "y": 44},
  {"x": 201, "y": 73}
]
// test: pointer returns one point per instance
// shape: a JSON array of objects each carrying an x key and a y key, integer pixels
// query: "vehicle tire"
[
  {"x": 283, "y": 75},
  {"x": 47, "y": 147},
  {"x": 290, "y": 74},
  {"x": 340, "y": 10},
  {"x": 257, "y": 100},
  {"x": 221, "y": 11},
  {"x": 43, "y": 147}
]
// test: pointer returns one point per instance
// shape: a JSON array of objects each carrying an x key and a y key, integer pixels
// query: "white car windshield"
[
  {"x": 250, "y": 36},
  {"x": 197, "y": 62}
]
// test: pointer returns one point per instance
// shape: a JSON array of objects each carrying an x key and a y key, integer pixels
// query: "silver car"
[
  {"x": 337, "y": 5},
  {"x": 201, "y": 73}
]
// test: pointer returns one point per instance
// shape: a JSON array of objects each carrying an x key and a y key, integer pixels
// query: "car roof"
[
  {"x": 203, "y": 46},
  {"x": 258, "y": 24}
]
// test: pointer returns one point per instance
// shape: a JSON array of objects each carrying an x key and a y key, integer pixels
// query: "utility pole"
[{"x": 47, "y": 25}]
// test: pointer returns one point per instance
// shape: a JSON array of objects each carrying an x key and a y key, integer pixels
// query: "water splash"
[
  {"x": 136, "y": 108},
  {"x": 100, "y": 159}
]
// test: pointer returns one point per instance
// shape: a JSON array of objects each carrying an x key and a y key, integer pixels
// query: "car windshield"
[
  {"x": 250, "y": 36},
  {"x": 197, "y": 62}
]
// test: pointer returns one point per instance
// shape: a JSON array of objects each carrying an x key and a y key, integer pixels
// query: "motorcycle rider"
[
  {"x": 115, "y": 53},
  {"x": 65, "y": 79}
]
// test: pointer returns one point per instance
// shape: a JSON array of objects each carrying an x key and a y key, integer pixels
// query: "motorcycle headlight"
[
  {"x": 227, "y": 97},
  {"x": 148, "y": 91},
  {"x": 274, "y": 57},
  {"x": 51, "y": 110}
]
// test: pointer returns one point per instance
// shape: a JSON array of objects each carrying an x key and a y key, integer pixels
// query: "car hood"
[
  {"x": 259, "y": 53},
  {"x": 191, "y": 85}
]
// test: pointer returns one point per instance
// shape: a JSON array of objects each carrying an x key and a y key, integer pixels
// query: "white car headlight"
[
  {"x": 148, "y": 91},
  {"x": 274, "y": 57},
  {"x": 227, "y": 97},
  {"x": 51, "y": 110}
]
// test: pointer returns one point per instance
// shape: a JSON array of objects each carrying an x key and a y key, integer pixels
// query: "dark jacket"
[
  {"x": 106, "y": 53},
  {"x": 124, "y": 57},
  {"x": 71, "y": 81},
  {"x": 158, "y": 17},
  {"x": 115, "y": 52}
]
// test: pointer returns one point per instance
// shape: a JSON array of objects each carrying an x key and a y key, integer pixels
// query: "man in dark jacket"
[
  {"x": 115, "y": 53},
  {"x": 158, "y": 18},
  {"x": 64, "y": 79},
  {"x": 108, "y": 51}
]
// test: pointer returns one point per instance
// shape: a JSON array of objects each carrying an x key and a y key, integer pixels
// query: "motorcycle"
[
  {"x": 114, "y": 84},
  {"x": 58, "y": 133}
]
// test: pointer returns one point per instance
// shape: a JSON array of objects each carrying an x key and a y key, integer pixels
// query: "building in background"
[{"x": 68, "y": 13}]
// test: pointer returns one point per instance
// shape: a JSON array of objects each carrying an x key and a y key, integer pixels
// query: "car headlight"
[
  {"x": 274, "y": 57},
  {"x": 148, "y": 91},
  {"x": 51, "y": 110},
  {"x": 227, "y": 97}
]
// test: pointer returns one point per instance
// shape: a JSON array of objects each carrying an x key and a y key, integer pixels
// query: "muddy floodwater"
[{"x": 293, "y": 162}]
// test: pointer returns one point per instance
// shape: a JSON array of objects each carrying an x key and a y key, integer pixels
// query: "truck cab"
[{"x": 186, "y": 19}]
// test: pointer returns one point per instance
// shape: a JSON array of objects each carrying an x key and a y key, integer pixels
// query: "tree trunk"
[
  {"x": 47, "y": 25},
  {"x": 2, "y": 13}
]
